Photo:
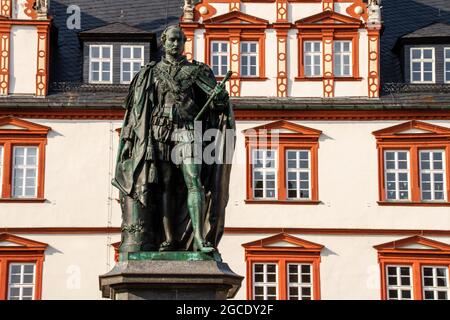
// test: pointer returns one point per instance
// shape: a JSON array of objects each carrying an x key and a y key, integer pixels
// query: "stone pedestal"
[{"x": 158, "y": 279}]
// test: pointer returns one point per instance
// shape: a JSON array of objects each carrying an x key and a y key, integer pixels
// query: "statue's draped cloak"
[{"x": 138, "y": 177}]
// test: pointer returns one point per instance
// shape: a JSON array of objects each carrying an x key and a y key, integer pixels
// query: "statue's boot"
[{"x": 203, "y": 246}]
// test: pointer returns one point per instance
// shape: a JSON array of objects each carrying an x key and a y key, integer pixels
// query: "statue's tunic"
[{"x": 174, "y": 109}]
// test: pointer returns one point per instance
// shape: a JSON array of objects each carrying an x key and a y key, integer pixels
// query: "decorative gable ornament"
[
  {"x": 11, "y": 125},
  {"x": 413, "y": 129},
  {"x": 329, "y": 19},
  {"x": 284, "y": 129},
  {"x": 413, "y": 245},
  {"x": 9, "y": 242},
  {"x": 283, "y": 242}
]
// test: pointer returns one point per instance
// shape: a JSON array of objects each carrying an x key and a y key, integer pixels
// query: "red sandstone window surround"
[
  {"x": 22, "y": 148},
  {"x": 21, "y": 264},
  {"x": 414, "y": 268},
  {"x": 282, "y": 164},
  {"x": 277, "y": 272},
  {"x": 413, "y": 164}
]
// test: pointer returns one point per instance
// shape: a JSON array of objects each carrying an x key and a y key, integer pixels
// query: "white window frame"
[
  {"x": 131, "y": 60},
  {"x": 220, "y": 54},
  {"x": 298, "y": 171},
  {"x": 2, "y": 161},
  {"x": 446, "y": 60},
  {"x": 24, "y": 167},
  {"x": 264, "y": 171},
  {"x": 100, "y": 60},
  {"x": 399, "y": 287},
  {"x": 22, "y": 285},
  {"x": 312, "y": 54},
  {"x": 397, "y": 171},
  {"x": 435, "y": 289},
  {"x": 431, "y": 172},
  {"x": 340, "y": 56},
  {"x": 249, "y": 55},
  {"x": 265, "y": 284},
  {"x": 300, "y": 284},
  {"x": 422, "y": 61}
]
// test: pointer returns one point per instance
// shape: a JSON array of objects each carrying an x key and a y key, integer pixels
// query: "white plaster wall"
[
  {"x": 349, "y": 268},
  {"x": 298, "y": 11},
  {"x": 267, "y": 11},
  {"x": 306, "y": 89},
  {"x": 23, "y": 64},
  {"x": 221, "y": 8},
  {"x": 363, "y": 54},
  {"x": 350, "y": 88},
  {"x": 341, "y": 7},
  {"x": 18, "y": 11},
  {"x": 199, "y": 45},
  {"x": 348, "y": 186},
  {"x": 77, "y": 178}
]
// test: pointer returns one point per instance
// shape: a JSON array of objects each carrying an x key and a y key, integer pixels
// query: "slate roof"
[
  {"x": 434, "y": 30},
  {"x": 115, "y": 27},
  {"x": 146, "y": 15},
  {"x": 403, "y": 17}
]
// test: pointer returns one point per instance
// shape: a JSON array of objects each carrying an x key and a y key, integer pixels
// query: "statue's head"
[{"x": 172, "y": 40}]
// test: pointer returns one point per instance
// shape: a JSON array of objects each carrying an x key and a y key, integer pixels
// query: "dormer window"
[
  {"x": 422, "y": 65},
  {"x": 447, "y": 64},
  {"x": 100, "y": 64}
]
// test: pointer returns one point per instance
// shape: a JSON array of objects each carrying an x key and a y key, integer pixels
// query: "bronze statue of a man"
[{"x": 171, "y": 199}]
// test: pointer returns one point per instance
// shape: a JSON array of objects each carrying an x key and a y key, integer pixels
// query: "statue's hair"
[{"x": 164, "y": 34}]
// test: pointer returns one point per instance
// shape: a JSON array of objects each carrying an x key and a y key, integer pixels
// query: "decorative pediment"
[
  {"x": 329, "y": 18},
  {"x": 413, "y": 129},
  {"x": 11, "y": 125},
  {"x": 236, "y": 18},
  {"x": 9, "y": 242},
  {"x": 284, "y": 127},
  {"x": 283, "y": 242},
  {"x": 415, "y": 244}
]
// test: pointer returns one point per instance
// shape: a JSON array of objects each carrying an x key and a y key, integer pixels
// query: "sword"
[{"x": 213, "y": 95}]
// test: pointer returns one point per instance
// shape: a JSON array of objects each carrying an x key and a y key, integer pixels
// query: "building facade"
[{"x": 340, "y": 184}]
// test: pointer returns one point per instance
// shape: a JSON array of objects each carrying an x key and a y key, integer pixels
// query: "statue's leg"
[
  {"x": 167, "y": 204},
  {"x": 195, "y": 202},
  {"x": 132, "y": 224}
]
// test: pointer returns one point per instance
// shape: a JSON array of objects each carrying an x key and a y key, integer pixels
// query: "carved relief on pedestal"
[{"x": 5, "y": 38}]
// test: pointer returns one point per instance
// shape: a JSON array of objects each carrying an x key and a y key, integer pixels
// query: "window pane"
[
  {"x": 427, "y": 54},
  {"x": 416, "y": 54},
  {"x": 137, "y": 53},
  {"x": 106, "y": 52},
  {"x": 126, "y": 52},
  {"x": 95, "y": 52}
]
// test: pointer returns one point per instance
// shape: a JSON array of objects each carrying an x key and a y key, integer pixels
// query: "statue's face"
[{"x": 174, "y": 44}]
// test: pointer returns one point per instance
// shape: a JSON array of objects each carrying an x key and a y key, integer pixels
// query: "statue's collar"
[{"x": 182, "y": 60}]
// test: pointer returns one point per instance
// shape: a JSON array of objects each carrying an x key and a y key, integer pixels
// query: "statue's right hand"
[{"x": 126, "y": 151}]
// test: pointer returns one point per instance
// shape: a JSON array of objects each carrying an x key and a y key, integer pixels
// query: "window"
[
  {"x": 282, "y": 163},
  {"x": 21, "y": 264},
  {"x": 342, "y": 58},
  {"x": 265, "y": 281},
  {"x": 435, "y": 283},
  {"x": 219, "y": 57},
  {"x": 300, "y": 281},
  {"x": 25, "y": 171},
  {"x": 313, "y": 58},
  {"x": 447, "y": 65},
  {"x": 290, "y": 273},
  {"x": 100, "y": 63},
  {"x": 397, "y": 175},
  {"x": 22, "y": 160},
  {"x": 414, "y": 268},
  {"x": 413, "y": 164},
  {"x": 249, "y": 59},
  {"x": 422, "y": 65},
  {"x": 21, "y": 281},
  {"x": 432, "y": 175},
  {"x": 399, "y": 284},
  {"x": 298, "y": 174},
  {"x": 264, "y": 173},
  {"x": 132, "y": 59}
]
